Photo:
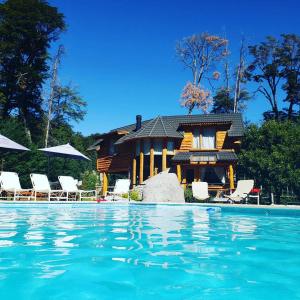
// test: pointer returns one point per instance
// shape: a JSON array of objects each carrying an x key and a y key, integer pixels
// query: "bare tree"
[
  {"x": 200, "y": 53},
  {"x": 53, "y": 86},
  {"x": 239, "y": 76},
  {"x": 193, "y": 96}
]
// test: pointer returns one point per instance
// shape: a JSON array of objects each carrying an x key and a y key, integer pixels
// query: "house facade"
[{"x": 195, "y": 147}]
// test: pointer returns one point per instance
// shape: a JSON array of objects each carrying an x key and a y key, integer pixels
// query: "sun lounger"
[
  {"x": 10, "y": 184},
  {"x": 121, "y": 187},
  {"x": 69, "y": 185},
  {"x": 41, "y": 186},
  {"x": 200, "y": 190},
  {"x": 242, "y": 191}
]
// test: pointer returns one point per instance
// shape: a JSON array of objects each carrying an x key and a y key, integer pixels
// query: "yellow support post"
[
  {"x": 104, "y": 184},
  {"x": 141, "y": 177},
  {"x": 164, "y": 157},
  {"x": 151, "y": 161},
  {"x": 184, "y": 183},
  {"x": 134, "y": 171},
  {"x": 231, "y": 177},
  {"x": 178, "y": 167}
]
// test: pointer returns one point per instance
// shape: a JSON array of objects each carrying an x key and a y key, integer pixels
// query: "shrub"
[
  {"x": 89, "y": 180},
  {"x": 188, "y": 195},
  {"x": 135, "y": 195}
]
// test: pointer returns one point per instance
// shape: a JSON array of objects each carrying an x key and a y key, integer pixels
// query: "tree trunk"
[
  {"x": 27, "y": 130},
  {"x": 52, "y": 92}
]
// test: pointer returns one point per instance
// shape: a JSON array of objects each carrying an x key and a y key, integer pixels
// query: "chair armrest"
[
  {"x": 57, "y": 191},
  {"x": 87, "y": 191}
]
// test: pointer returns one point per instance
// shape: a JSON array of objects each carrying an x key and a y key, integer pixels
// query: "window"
[
  {"x": 147, "y": 146},
  {"x": 170, "y": 147},
  {"x": 138, "y": 148},
  {"x": 196, "y": 138},
  {"x": 158, "y": 145},
  {"x": 208, "y": 138}
]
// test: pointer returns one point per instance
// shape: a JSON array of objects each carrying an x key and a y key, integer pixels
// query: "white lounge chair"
[
  {"x": 41, "y": 185},
  {"x": 200, "y": 190},
  {"x": 242, "y": 190},
  {"x": 121, "y": 187},
  {"x": 10, "y": 183},
  {"x": 69, "y": 185}
]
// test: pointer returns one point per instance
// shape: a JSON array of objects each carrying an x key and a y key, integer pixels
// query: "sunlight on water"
[{"x": 141, "y": 252}]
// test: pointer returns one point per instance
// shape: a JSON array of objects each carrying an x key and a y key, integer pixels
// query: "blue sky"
[{"x": 121, "y": 54}]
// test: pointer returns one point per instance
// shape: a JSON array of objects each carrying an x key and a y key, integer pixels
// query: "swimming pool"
[{"x": 147, "y": 251}]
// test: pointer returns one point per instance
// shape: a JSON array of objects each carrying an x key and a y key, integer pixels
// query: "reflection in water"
[{"x": 117, "y": 243}]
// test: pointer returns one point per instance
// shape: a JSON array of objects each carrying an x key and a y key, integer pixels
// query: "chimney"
[{"x": 138, "y": 122}]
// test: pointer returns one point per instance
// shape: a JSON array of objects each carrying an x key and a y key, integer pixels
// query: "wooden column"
[
  {"x": 178, "y": 168},
  {"x": 141, "y": 175},
  {"x": 134, "y": 171},
  {"x": 164, "y": 156},
  {"x": 151, "y": 160},
  {"x": 231, "y": 177},
  {"x": 184, "y": 178},
  {"x": 104, "y": 184}
]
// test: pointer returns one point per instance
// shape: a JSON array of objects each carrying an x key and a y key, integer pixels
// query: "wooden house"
[{"x": 195, "y": 147}]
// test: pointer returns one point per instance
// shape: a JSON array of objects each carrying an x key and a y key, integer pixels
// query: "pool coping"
[{"x": 224, "y": 205}]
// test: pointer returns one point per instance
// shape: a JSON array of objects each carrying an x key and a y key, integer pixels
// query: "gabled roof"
[
  {"x": 157, "y": 127},
  {"x": 170, "y": 126},
  {"x": 235, "y": 119}
]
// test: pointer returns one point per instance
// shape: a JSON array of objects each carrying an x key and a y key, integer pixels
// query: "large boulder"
[{"x": 163, "y": 187}]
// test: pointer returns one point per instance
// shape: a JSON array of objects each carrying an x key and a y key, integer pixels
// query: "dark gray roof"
[
  {"x": 157, "y": 127},
  {"x": 219, "y": 155},
  {"x": 236, "y": 121},
  {"x": 170, "y": 126}
]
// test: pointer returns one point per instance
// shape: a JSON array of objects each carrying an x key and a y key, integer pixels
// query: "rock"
[{"x": 163, "y": 187}]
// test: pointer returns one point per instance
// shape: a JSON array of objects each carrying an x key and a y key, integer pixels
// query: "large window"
[
  {"x": 208, "y": 138},
  {"x": 196, "y": 138}
]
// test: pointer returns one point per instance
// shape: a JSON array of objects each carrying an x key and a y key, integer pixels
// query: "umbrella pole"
[{"x": 48, "y": 166}]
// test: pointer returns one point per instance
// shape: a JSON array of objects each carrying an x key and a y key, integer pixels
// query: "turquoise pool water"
[{"x": 147, "y": 252}]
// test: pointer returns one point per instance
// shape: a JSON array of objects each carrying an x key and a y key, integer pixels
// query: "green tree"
[
  {"x": 27, "y": 29},
  {"x": 223, "y": 101},
  {"x": 68, "y": 105},
  {"x": 266, "y": 70},
  {"x": 290, "y": 59},
  {"x": 270, "y": 155},
  {"x": 276, "y": 67}
]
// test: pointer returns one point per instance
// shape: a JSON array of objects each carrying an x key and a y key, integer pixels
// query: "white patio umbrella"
[
  {"x": 7, "y": 145},
  {"x": 66, "y": 151}
]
